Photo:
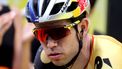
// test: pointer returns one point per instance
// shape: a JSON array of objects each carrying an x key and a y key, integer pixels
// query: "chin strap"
[{"x": 74, "y": 59}]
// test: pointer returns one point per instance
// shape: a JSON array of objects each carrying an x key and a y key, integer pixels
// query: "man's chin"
[{"x": 58, "y": 63}]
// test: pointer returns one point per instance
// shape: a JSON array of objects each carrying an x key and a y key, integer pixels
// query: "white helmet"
[{"x": 38, "y": 11}]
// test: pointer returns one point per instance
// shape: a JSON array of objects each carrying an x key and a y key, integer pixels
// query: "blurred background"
[{"x": 106, "y": 18}]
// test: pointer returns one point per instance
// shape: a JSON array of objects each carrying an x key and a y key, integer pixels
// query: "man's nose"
[{"x": 51, "y": 43}]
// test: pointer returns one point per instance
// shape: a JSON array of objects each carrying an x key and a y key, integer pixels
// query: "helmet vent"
[
  {"x": 45, "y": 4},
  {"x": 35, "y": 7},
  {"x": 56, "y": 8},
  {"x": 72, "y": 7}
]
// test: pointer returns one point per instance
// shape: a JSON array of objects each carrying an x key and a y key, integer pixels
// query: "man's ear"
[{"x": 83, "y": 26}]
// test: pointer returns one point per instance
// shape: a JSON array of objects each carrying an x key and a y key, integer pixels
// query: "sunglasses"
[{"x": 55, "y": 33}]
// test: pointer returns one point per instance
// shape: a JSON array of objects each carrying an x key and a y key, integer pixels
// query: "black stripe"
[
  {"x": 45, "y": 4},
  {"x": 72, "y": 7},
  {"x": 56, "y": 8}
]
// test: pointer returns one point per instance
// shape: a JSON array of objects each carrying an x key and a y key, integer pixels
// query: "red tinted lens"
[
  {"x": 40, "y": 34},
  {"x": 55, "y": 33}
]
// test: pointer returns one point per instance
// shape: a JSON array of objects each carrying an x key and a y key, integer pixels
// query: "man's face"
[{"x": 61, "y": 51}]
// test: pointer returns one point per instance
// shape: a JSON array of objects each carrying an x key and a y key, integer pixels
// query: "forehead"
[{"x": 52, "y": 24}]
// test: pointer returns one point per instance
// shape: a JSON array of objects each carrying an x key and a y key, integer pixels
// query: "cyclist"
[{"x": 61, "y": 27}]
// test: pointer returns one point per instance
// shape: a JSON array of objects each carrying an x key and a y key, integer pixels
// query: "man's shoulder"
[
  {"x": 106, "y": 53},
  {"x": 107, "y": 45},
  {"x": 107, "y": 42}
]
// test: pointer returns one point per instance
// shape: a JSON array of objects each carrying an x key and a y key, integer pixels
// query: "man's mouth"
[{"x": 55, "y": 56}]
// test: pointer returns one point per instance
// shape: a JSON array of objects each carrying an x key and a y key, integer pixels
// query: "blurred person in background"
[
  {"x": 15, "y": 39},
  {"x": 6, "y": 36},
  {"x": 35, "y": 43},
  {"x": 61, "y": 26}
]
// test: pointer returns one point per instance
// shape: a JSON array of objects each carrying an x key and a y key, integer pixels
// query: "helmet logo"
[{"x": 65, "y": 6}]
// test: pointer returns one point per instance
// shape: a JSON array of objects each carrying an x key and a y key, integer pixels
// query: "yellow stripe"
[{"x": 76, "y": 12}]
